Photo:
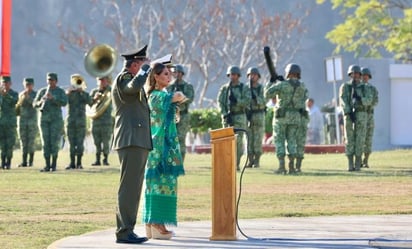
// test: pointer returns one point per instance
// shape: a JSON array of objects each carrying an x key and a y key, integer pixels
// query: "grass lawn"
[{"x": 37, "y": 209}]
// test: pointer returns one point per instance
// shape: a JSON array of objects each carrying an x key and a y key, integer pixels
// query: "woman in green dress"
[{"x": 164, "y": 163}]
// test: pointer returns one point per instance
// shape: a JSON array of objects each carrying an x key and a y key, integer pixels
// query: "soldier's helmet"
[
  {"x": 252, "y": 70},
  {"x": 353, "y": 69},
  {"x": 233, "y": 70},
  {"x": 179, "y": 68},
  {"x": 365, "y": 70},
  {"x": 292, "y": 68}
]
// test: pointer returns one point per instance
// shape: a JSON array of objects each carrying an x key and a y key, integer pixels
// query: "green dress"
[{"x": 164, "y": 163}]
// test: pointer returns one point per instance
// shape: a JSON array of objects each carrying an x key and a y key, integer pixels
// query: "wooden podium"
[{"x": 223, "y": 184}]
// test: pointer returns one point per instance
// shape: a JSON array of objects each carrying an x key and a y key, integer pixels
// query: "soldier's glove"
[
  {"x": 232, "y": 99},
  {"x": 280, "y": 78},
  {"x": 144, "y": 70}
]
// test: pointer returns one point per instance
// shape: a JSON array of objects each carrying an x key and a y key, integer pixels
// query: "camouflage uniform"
[
  {"x": 51, "y": 121},
  {"x": 8, "y": 124},
  {"x": 233, "y": 100},
  {"x": 27, "y": 123},
  {"x": 290, "y": 107},
  {"x": 370, "y": 126},
  {"x": 102, "y": 129},
  {"x": 256, "y": 118},
  {"x": 355, "y": 102},
  {"x": 301, "y": 140},
  {"x": 183, "y": 126},
  {"x": 76, "y": 124}
]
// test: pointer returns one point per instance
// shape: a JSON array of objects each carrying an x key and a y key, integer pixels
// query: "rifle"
[
  {"x": 272, "y": 70},
  {"x": 354, "y": 96}
]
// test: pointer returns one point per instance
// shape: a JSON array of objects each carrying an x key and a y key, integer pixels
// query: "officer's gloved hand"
[{"x": 280, "y": 78}]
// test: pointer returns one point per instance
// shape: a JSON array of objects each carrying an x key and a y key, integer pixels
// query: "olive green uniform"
[{"x": 8, "y": 127}]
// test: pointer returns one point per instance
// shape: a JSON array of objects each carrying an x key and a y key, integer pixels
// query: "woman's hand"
[{"x": 178, "y": 97}]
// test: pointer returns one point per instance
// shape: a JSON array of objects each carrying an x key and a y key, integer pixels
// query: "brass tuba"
[{"x": 99, "y": 62}]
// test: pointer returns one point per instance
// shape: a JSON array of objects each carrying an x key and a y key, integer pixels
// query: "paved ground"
[{"x": 342, "y": 232}]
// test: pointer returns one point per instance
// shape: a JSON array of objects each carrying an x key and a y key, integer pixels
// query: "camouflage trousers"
[
  {"x": 7, "y": 140},
  {"x": 183, "y": 128},
  {"x": 285, "y": 133},
  {"x": 370, "y": 127},
  {"x": 239, "y": 121},
  {"x": 301, "y": 139},
  {"x": 51, "y": 132},
  {"x": 102, "y": 135},
  {"x": 76, "y": 135},
  {"x": 355, "y": 134},
  {"x": 27, "y": 135},
  {"x": 255, "y": 133}
]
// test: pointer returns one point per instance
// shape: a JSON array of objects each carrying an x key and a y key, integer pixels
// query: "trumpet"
[
  {"x": 19, "y": 103},
  {"x": 44, "y": 98},
  {"x": 77, "y": 82}
]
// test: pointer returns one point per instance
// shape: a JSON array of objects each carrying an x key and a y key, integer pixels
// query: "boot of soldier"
[
  {"x": 79, "y": 162},
  {"x": 24, "y": 162},
  {"x": 299, "y": 164},
  {"x": 72, "y": 164},
  {"x": 250, "y": 162},
  {"x": 31, "y": 158},
  {"x": 105, "y": 162},
  {"x": 365, "y": 160},
  {"x": 350, "y": 164},
  {"x": 292, "y": 166},
  {"x": 97, "y": 163},
  {"x": 281, "y": 169},
  {"x": 47, "y": 167},
  {"x": 54, "y": 163},
  {"x": 358, "y": 162},
  {"x": 256, "y": 161}
]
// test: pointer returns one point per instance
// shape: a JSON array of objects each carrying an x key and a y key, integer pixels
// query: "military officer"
[
  {"x": 78, "y": 98},
  {"x": 131, "y": 139},
  {"x": 233, "y": 100},
  {"x": 183, "y": 126},
  {"x": 370, "y": 126},
  {"x": 27, "y": 123},
  {"x": 291, "y": 95},
  {"x": 102, "y": 125},
  {"x": 8, "y": 121},
  {"x": 355, "y": 101},
  {"x": 256, "y": 118},
  {"x": 50, "y": 100}
]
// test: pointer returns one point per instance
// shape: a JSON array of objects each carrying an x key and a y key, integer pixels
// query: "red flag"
[{"x": 5, "y": 46}]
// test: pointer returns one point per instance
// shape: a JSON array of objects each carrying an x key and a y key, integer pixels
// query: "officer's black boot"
[
  {"x": 72, "y": 164},
  {"x": 105, "y": 162},
  {"x": 365, "y": 160},
  {"x": 292, "y": 165},
  {"x": 281, "y": 169},
  {"x": 79, "y": 162},
  {"x": 251, "y": 161},
  {"x": 358, "y": 162},
  {"x": 54, "y": 163},
  {"x": 256, "y": 161},
  {"x": 97, "y": 163},
  {"x": 31, "y": 158},
  {"x": 350, "y": 163},
  {"x": 299, "y": 164},
  {"x": 24, "y": 162},
  {"x": 47, "y": 167}
]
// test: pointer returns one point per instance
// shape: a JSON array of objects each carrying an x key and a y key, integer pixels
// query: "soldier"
[
  {"x": 355, "y": 102},
  {"x": 291, "y": 96},
  {"x": 8, "y": 121},
  {"x": 102, "y": 125},
  {"x": 76, "y": 119},
  {"x": 183, "y": 126},
  {"x": 27, "y": 122},
  {"x": 370, "y": 126},
  {"x": 233, "y": 100},
  {"x": 50, "y": 100},
  {"x": 256, "y": 118}
]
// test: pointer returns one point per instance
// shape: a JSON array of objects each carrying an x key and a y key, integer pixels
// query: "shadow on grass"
[{"x": 361, "y": 173}]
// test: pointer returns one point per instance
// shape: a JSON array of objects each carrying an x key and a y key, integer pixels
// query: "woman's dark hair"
[{"x": 157, "y": 69}]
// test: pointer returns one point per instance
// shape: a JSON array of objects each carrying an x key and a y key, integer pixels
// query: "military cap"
[
  {"x": 5, "y": 78},
  {"x": 52, "y": 76},
  {"x": 28, "y": 81},
  {"x": 165, "y": 60},
  {"x": 135, "y": 54}
]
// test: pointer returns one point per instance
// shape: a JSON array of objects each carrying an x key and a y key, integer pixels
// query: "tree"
[
  {"x": 205, "y": 36},
  {"x": 372, "y": 27}
]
